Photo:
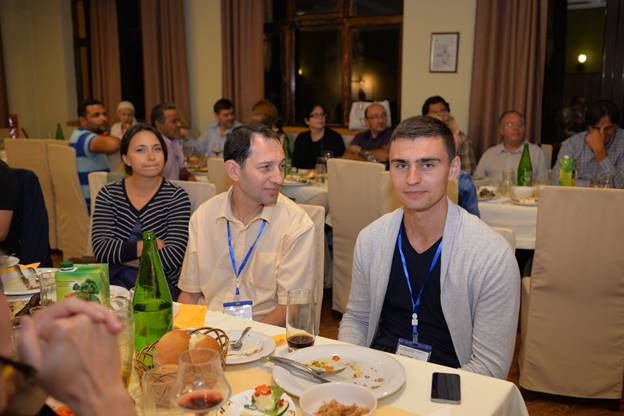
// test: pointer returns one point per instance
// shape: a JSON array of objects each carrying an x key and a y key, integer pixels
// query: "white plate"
[
  {"x": 525, "y": 202},
  {"x": 13, "y": 285},
  {"x": 290, "y": 182},
  {"x": 382, "y": 374},
  {"x": 119, "y": 291},
  {"x": 255, "y": 346},
  {"x": 236, "y": 405},
  {"x": 10, "y": 261}
]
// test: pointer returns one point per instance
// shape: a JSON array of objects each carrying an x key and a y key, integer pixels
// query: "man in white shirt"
[
  {"x": 251, "y": 239},
  {"x": 505, "y": 156},
  {"x": 212, "y": 140}
]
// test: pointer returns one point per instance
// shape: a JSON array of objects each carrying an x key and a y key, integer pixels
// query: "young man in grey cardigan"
[{"x": 430, "y": 275}]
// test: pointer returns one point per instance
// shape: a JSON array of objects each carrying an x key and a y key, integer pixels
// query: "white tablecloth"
[
  {"x": 500, "y": 212},
  {"x": 480, "y": 395},
  {"x": 308, "y": 194}
]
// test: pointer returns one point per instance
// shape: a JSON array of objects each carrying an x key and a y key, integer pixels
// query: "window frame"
[{"x": 345, "y": 22}]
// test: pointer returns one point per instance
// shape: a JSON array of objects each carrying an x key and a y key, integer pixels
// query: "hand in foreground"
[
  {"x": 74, "y": 349},
  {"x": 595, "y": 139}
]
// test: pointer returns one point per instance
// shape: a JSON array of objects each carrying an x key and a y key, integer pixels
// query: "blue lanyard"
[
  {"x": 238, "y": 271},
  {"x": 416, "y": 302}
]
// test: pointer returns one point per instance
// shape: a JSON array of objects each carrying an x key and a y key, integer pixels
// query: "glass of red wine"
[
  {"x": 200, "y": 383},
  {"x": 300, "y": 319}
]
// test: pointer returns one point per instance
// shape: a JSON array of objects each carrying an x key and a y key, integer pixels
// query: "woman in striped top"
[{"x": 143, "y": 201}]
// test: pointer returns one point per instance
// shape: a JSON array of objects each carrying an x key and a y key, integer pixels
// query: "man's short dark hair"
[
  {"x": 158, "y": 112},
  {"x": 238, "y": 141},
  {"x": 502, "y": 116},
  {"x": 82, "y": 106},
  {"x": 222, "y": 104},
  {"x": 133, "y": 131},
  {"x": 436, "y": 99},
  {"x": 419, "y": 127},
  {"x": 602, "y": 108}
]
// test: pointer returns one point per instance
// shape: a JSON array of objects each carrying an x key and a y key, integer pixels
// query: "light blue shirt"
[{"x": 211, "y": 142}]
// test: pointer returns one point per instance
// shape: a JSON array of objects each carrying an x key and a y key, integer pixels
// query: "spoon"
[{"x": 236, "y": 345}]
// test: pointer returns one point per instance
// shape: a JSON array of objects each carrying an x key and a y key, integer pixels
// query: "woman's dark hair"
[
  {"x": 436, "y": 99},
  {"x": 310, "y": 109},
  {"x": 602, "y": 108},
  {"x": 130, "y": 133}
]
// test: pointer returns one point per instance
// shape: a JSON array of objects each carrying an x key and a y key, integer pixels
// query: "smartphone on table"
[{"x": 445, "y": 388}]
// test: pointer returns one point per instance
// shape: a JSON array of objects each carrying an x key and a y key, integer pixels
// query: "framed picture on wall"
[{"x": 444, "y": 52}]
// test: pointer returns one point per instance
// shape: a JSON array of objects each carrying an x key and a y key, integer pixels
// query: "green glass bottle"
[
  {"x": 525, "y": 169},
  {"x": 152, "y": 303},
  {"x": 59, "y": 132}
]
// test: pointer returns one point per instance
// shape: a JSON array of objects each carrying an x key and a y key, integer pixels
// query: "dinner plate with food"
[
  {"x": 299, "y": 179},
  {"x": 255, "y": 346},
  {"x": 372, "y": 369},
  {"x": 487, "y": 193},
  {"x": 267, "y": 400},
  {"x": 23, "y": 281},
  {"x": 527, "y": 202}
]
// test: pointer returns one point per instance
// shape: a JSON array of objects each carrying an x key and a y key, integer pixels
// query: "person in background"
[
  {"x": 372, "y": 144},
  {"x": 125, "y": 114},
  {"x": 37, "y": 363},
  {"x": 92, "y": 143},
  {"x": 467, "y": 191},
  {"x": 438, "y": 105},
  {"x": 212, "y": 140},
  {"x": 252, "y": 221},
  {"x": 166, "y": 119},
  {"x": 599, "y": 151},
  {"x": 9, "y": 204},
  {"x": 429, "y": 270},
  {"x": 142, "y": 201},
  {"x": 506, "y": 155},
  {"x": 319, "y": 139}
]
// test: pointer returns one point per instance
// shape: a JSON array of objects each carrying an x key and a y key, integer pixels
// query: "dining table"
[
  {"x": 480, "y": 395},
  {"x": 520, "y": 218}
]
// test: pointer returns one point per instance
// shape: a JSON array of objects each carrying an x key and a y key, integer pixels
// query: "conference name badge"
[
  {"x": 412, "y": 349},
  {"x": 240, "y": 308}
]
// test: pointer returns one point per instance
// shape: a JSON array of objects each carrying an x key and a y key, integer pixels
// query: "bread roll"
[
  {"x": 170, "y": 346},
  {"x": 204, "y": 341}
]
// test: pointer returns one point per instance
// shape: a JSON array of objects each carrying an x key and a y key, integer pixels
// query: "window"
[{"x": 332, "y": 52}]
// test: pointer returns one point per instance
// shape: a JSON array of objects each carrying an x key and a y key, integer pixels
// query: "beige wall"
[
  {"x": 39, "y": 63},
  {"x": 420, "y": 19},
  {"x": 203, "y": 43}
]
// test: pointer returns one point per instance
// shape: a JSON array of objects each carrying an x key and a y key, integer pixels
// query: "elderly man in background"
[
  {"x": 212, "y": 140},
  {"x": 92, "y": 143},
  {"x": 166, "y": 119},
  {"x": 372, "y": 144},
  {"x": 505, "y": 156},
  {"x": 598, "y": 153}
]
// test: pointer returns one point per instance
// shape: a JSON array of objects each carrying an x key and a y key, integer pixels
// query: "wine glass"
[
  {"x": 157, "y": 385},
  {"x": 321, "y": 169},
  {"x": 300, "y": 317},
  {"x": 217, "y": 148},
  {"x": 200, "y": 383}
]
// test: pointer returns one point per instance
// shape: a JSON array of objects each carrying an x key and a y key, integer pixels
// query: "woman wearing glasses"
[{"x": 318, "y": 140}]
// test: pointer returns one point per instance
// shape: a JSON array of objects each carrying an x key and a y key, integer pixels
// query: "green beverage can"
[{"x": 566, "y": 171}]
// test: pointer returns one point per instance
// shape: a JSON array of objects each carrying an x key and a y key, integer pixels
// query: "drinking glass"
[
  {"x": 217, "y": 148},
  {"x": 157, "y": 385},
  {"x": 328, "y": 154},
  {"x": 507, "y": 181},
  {"x": 300, "y": 317},
  {"x": 200, "y": 384},
  {"x": 125, "y": 339},
  {"x": 47, "y": 288},
  {"x": 602, "y": 181},
  {"x": 321, "y": 170}
]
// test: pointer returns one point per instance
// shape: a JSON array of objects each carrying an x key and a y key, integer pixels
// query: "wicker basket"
[{"x": 143, "y": 359}]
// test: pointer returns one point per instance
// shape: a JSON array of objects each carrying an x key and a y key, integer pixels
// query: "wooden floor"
[{"x": 537, "y": 403}]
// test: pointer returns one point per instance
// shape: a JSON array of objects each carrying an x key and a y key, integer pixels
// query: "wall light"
[
  {"x": 300, "y": 72},
  {"x": 582, "y": 58}
]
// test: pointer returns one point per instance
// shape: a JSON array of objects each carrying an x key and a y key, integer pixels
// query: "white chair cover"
[{"x": 317, "y": 215}]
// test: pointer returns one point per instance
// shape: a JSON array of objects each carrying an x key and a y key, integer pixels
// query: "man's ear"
[
  {"x": 233, "y": 170},
  {"x": 455, "y": 168}
]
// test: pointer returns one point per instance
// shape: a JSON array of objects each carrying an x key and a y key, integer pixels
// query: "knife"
[{"x": 302, "y": 369}]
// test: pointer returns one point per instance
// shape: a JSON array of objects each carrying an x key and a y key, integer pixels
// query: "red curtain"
[
  {"x": 242, "y": 28},
  {"x": 165, "y": 72},
  {"x": 508, "y": 67}
]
